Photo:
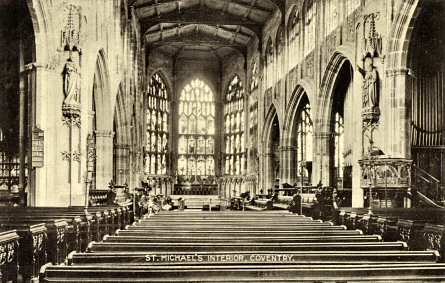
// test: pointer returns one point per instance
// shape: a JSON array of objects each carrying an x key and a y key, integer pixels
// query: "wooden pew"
[
  {"x": 414, "y": 272},
  {"x": 9, "y": 243},
  {"x": 79, "y": 228},
  {"x": 32, "y": 248},
  {"x": 221, "y": 239},
  {"x": 215, "y": 221},
  {"x": 220, "y": 247},
  {"x": 234, "y": 227},
  {"x": 249, "y": 258},
  {"x": 239, "y": 234},
  {"x": 56, "y": 246},
  {"x": 260, "y": 203},
  {"x": 45, "y": 231},
  {"x": 262, "y": 229},
  {"x": 422, "y": 228},
  {"x": 217, "y": 250}
]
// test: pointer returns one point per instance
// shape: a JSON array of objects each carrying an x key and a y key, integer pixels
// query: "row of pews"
[
  {"x": 420, "y": 228},
  {"x": 234, "y": 246},
  {"x": 280, "y": 201},
  {"x": 31, "y": 237}
]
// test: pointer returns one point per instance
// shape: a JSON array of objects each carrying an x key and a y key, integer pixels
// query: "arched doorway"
[
  {"x": 17, "y": 114},
  {"x": 426, "y": 88}
]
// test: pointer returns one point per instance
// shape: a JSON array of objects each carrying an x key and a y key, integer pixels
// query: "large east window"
[
  {"x": 234, "y": 128},
  {"x": 196, "y": 127},
  {"x": 157, "y": 114}
]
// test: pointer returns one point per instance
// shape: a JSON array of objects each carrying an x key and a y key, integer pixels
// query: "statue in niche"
[
  {"x": 71, "y": 84},
  {"x": 371, "y": 93}
]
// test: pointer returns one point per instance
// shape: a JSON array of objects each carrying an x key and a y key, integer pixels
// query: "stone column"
[
  {"x": 288, "y": 164},
  {"x": 267, "y": 172},
  {"x": 321, "y": 167},
  {"x": 104, "y": 158},
  {"x": 396, "y": 122},
  {"x": 122, "y": 163}
]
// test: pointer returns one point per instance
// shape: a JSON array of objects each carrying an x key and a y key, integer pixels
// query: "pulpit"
[{"x": 386, "y": 181}]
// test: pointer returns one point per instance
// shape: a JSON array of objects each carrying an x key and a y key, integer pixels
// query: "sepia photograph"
[{"x": 222, "y": 141}]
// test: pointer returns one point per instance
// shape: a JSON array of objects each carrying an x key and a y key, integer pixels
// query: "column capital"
[
  {"x": 288, "y": 148},
  {"x": 322, "y": 135},
  {"x": 104, "y": 133},
  {"x": 122, "y": 146},
  {"x": 398, "y": 72}
]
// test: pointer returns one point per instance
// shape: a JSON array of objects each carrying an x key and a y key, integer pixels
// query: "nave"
[
  {"x": 231, "y": 246},
  {"x": 332, "y": 109}
]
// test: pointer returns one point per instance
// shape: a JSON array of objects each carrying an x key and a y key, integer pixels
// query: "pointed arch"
[
  {"x": 100, "y": 164},
  {"x": 102, "y": 96},
  {"x": 271, "y": 166},
  {"x": 167, "y": 81},
  {"x": 298, "y": 139},
  {"x": 335, "y": 125},
  {"x": 121, "y": 139},
  {"x": 41, "y": 21},
  {"x": 401, "y": 34},
  {"x": 268, "y": 121},
  {"x": 330, "y": 75},
  {"x": 303, "y": 88},
  {"x": 121, "y": 117}
]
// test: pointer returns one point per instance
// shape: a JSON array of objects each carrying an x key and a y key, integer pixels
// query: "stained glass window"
[
  {"x": 157, "y": 113},
  {"x": 331, "y": 15},
  {"x": 234, "y": 128},
  {"x": 254, "y": 77},
  {"x": 196, "y": 130},
  {"x": 270, "y": 69},
  {"x": 338, "y": 144},
  {"x": 304, "y": 144},
  {"x": 294, "y": 35},
  {"x": 309, "y": 26}
]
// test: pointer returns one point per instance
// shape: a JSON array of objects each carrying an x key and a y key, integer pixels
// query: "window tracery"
[
  {"x": 196, "y": 130},
  {"x": 234, "y": 128},
  {"x": 304, "y": 144},
  {"x": 157, "y": 113},
  {"x": 309, "y": 26}
]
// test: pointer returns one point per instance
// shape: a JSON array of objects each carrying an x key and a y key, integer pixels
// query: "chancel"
[{"x": 222, "y": 141}]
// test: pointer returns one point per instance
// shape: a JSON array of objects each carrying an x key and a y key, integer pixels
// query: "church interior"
[{"x": 222, "y": 141}]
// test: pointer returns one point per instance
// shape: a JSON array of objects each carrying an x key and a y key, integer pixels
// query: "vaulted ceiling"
[{"x": 218, "y": 26}]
